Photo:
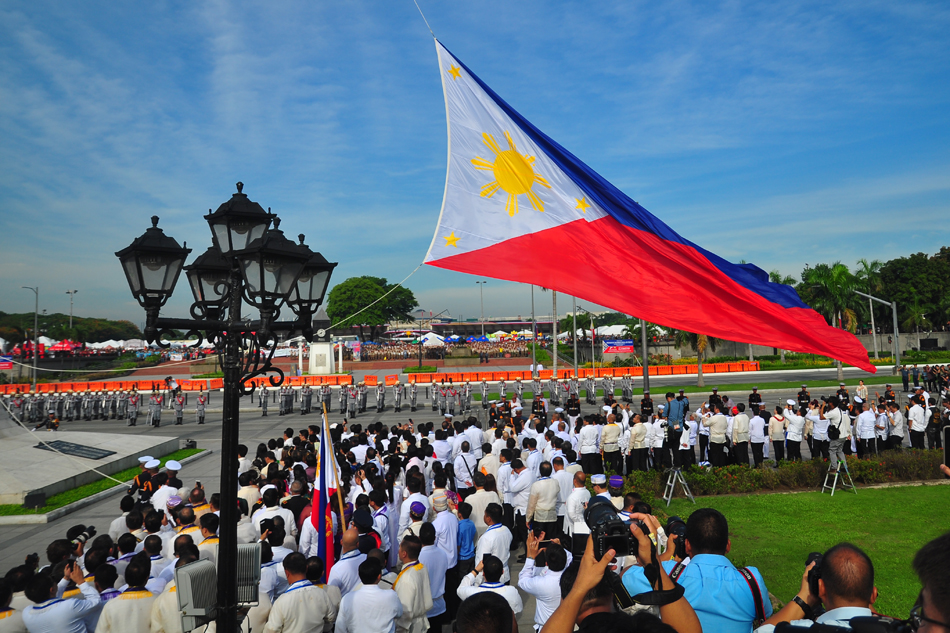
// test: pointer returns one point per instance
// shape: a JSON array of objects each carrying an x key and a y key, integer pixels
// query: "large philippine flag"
[{"x": 520, "y": 207}]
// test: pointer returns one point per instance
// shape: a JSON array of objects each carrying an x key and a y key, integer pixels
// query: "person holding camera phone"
[
  {"x": 56, "y": 615},
  {"x": 841, "y": 580}
]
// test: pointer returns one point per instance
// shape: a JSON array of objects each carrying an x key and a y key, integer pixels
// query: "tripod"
[
  {"x": 846, "y": 481},
  {"x": 675, "y": 475}
]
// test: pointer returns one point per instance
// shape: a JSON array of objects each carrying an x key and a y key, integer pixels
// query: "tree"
[
  {"x": 916, "y": 318},
  {"x": 776, "y": 278},
  {"x": 699, "y": 342},
  {"x": 868, "y": 277},
  {"x": 830, "y": 290},
  {"x": 357, "y": 301}
]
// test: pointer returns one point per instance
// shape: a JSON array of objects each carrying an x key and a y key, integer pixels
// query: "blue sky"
[{"x": 778, "y": 133}]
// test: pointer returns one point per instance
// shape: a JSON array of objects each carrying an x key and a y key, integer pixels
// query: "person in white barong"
[
  {"x": 412, "y": 587},
  {"x": 165, "y": 616},
  {"x": 371, "y": 608},
  {"x": 132, "y": 610},
  {"x": 304, "y": 607}
]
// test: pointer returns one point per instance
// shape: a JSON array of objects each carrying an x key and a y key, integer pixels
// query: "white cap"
[
  {"x": 449, "y": 415},
  {"x": 268, "y": 487},
  {"x": 607, "y": 409},
  {"x": 559, "y": 410},
  {"x": 152, "y": 464},
  {"x": 144, "y": 459},
  {"x": 600, "y": 480},
  {"x": 661, "y": 406},
  {"x": 858, "y": 400},
  {"x": 518, "y": 409},
  {"x": 791, "y": 402},
  {"x": 173, "y": 465}
]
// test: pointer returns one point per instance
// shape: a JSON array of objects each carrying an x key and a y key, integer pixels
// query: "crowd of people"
[{"x": 430, "y": 525}]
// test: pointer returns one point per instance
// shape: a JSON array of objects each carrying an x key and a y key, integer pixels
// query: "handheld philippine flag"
[
  {"x": 520, "y": 207},
  {"x": 325, "y": 487}
]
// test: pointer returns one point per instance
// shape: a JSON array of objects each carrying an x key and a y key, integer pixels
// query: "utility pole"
[
  {"x": 481, "y": 294},
  {"x": 554, "y": 331},
  {"x": 574, "y": 334},
  {"x": 36, "y": 326},
  {"x": 71, "y": 293},
  {"x": 646, "y": 355},
  {"x": 534, "y": 337}
]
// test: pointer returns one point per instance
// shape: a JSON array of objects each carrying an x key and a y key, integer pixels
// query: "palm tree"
[
  {"x": 830, "y": 290},
  {"x": 699, "y": 342},
  {"x": 776, "y": 278},
  {"x": 916, "y": 318},
  {"x": 868, "y": 276}
]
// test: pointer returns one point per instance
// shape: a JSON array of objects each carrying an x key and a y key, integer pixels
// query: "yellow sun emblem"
[{"x": 514, "y": 173}]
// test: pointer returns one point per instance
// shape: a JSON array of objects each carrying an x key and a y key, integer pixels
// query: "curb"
[{"x": 49, "y": 517}]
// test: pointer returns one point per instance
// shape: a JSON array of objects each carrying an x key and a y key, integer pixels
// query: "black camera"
[
  {"x": 608, "y": 530},
  {"x": 815, "y": 572},
  {"x": 267, "y": 525},
  {"x": 676, "y": 525}
]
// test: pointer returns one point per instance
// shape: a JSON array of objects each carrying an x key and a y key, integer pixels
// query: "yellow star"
[
  {"x": 454, "y": 71},
  {"x": 582, "y": 204},
  {"x": 451, "y": 240}
]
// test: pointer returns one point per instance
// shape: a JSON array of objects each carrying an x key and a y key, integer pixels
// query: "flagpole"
[{"x": 336, "y": 478}]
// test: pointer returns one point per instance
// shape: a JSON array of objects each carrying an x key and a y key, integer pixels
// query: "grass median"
[
  {"x": 70, "y": 496},
  {"x": 776, "y": 532}
]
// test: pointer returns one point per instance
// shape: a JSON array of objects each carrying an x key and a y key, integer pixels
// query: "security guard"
[
  {"x": 803, "y": 397},
  {"x": 715, "y": 399},
  {"x": 844, "y": 398},
  {"x": 889, "y": 395},
  {"x": 755, "y": 401}
]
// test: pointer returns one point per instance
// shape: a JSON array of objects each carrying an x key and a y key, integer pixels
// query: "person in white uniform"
[
  {"x": 50, "y": 614},
  {"x": 132, "y": 611},
  {"x": 412, "y": 587},
  {"x": 345, "y": 572},
  {"x": 487, "y": 577},
  {"x": 436, "y": 564},
  {"x": 544, "y": 583},
  {"x": 496, "y": 540},
  {"x": 304, "y": 607},
  {"x": 369, "y": 609}
]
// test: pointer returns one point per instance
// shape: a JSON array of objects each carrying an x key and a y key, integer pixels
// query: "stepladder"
[{"x": 840, "y": 477}]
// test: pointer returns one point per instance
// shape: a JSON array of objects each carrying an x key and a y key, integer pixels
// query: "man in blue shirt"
[
  {"x": 723, "y": 598},
  {"x": 675, "y": 417},
  {"x": 466, "y": 540}
]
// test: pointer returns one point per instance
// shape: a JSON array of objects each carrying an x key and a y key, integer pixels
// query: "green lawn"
[
  {"x": 87, "y": 490},
  {"x": 776, "y": 532}
]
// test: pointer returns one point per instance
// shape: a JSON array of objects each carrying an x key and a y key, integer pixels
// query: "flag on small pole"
[{"x": 326, "y": 485}]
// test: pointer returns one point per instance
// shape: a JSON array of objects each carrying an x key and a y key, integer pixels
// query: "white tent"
[
  {"x": 611, "y": 330},
  {"x": 48, "y": 342},
  {"x": 433, "y": 340},
  {"x": 135, "y": 343},
  {"x": 498, "y": 333}
]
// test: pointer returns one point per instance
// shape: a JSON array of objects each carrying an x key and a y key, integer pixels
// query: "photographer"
[
  {"x": 839, "y": 430},
  {"x": 842, "y": 580},
  {"x": 725, "y": 598},
  {"x": 50, "y": 613},
  {"x": 932, "y": 612},
  {"x": 588, "y": 594}
]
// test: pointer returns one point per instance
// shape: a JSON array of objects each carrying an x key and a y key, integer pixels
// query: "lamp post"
[
  {"x": 481, "y": 295},
  {"x": 248, "y": 263},
  {"x": 36, "y": 328},
  {"x": 71, "y": 293},
  {"x": 897, "y": 336}
]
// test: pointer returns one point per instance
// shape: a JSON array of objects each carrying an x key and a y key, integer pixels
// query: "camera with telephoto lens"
[
  {"x": 815, "y": 572},
  {"x": 608, "y": 530},
  {"x": 79, "y": 534}
]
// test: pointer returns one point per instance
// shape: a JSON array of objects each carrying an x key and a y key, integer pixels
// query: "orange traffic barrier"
[{"x": 370, "y": 380}]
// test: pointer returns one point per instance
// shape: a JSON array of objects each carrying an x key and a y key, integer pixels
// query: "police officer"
[
  {"x": 755, "y": 401},
  {"x": 573, "y": 409},
  {"x": 803, "y": 397},
  {"x": 646, "y": 405},
  {"x": 844, "y": 398},
  {"x": 889, "y": 395},
  {"x": 715, "y": 399}
]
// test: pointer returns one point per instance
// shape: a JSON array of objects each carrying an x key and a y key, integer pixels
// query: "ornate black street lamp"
[{"x": 250, "y": 263}]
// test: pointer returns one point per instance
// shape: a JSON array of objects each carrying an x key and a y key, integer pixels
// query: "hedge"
[{"x": 889, "y": 466}]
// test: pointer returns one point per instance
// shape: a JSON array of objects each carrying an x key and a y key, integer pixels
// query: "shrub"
[{"x": 890, "y": 466}]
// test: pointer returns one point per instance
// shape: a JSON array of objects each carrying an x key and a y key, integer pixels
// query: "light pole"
[
  {"x": 481, "y": 295},
  {"x": 71, "y": 293},
  {"x": 36, "y": 327},
  {"x": 574, "y": 334},
  {"x": 247, "y": 263},
  {"x": 897, "y": 337},
  {"x": 646, "y": 355},
  {"x": 534, "y": 337}
]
